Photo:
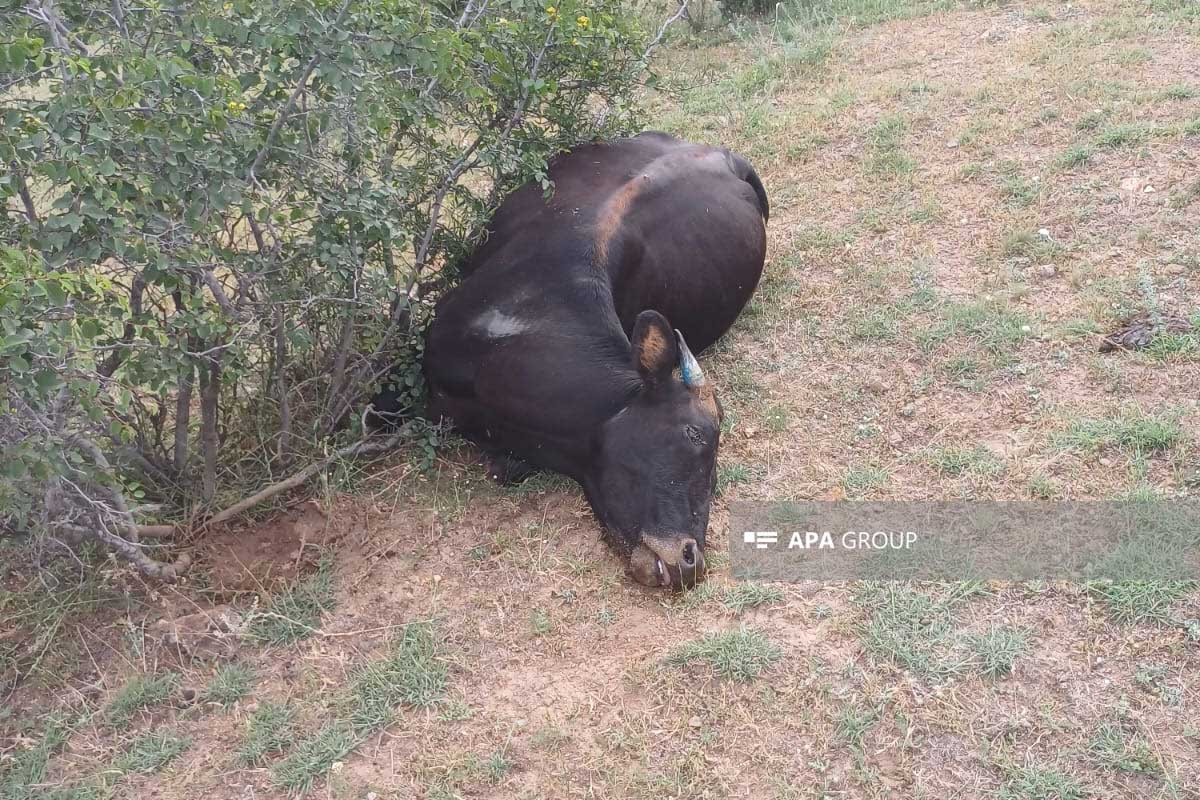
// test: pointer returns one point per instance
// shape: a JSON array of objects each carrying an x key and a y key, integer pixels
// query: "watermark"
[{"x": 966, "y": 540}]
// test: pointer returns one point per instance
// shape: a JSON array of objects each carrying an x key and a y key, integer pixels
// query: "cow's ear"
[{"x": 654, "y": 350}]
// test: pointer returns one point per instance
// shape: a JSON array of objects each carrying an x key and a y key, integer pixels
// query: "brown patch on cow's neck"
[{"x": 608, "y": 224}]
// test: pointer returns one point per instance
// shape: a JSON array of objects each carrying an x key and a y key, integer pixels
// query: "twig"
[{"x": 363, "y": 447}]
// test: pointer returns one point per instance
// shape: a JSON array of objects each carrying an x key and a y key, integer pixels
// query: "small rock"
[
  {"x": 1026, "y": 329},
  {"x": 337, "y": 766},
  {"x": 1175, "y": 269},
  {"x": 1044, "y": 233},
  {"x": 1106, "y": 462},
  {"x": 895, "y": 440},
  {"x": 694, "y": 722},
  {"x": 1148, "y": 189},
  {"x": 908, "y": 410},
  {"x": 1047, "y": 271},
  {"x": 875, "y": 386},
  {"x": 953, "y": 143},
  {"x": 372, "y": 796}
]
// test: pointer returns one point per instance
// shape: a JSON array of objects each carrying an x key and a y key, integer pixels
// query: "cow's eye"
[{"x": 694, "y": 435}]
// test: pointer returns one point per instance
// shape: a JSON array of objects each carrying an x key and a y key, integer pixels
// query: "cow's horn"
[{"x": 689, "y": 368}]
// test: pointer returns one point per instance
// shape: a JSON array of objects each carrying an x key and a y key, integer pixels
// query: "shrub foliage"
[{"x": 224, "y": 224}]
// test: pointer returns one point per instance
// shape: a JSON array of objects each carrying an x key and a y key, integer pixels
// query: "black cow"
[{"x": 558, "y": 348}]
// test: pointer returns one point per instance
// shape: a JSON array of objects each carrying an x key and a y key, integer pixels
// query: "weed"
[
  {"x": 1132, "y": 431},
  {"x": 1110, "y": 747},
  {"x": 1041, "y": 783},
  {"x": 860, "y": 480}
]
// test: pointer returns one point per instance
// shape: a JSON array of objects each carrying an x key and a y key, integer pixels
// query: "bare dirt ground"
[{"x": 962, "y": 203}]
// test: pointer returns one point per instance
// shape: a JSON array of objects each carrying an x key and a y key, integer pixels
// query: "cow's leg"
[{"x": 508, "y": 470}]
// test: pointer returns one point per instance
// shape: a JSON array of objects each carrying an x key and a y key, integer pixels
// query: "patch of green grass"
[
  {"x": 1180, "y": 91},
  {"x": 913, "y": 629},
  {"x": 1020, "y": 192},
  {"x": 742, "y": 596},
  {"x": 1192, "y": 128},
  {"x": 741, "y": 654},
  {"x": 314, "y": 755},
  {"x": 731, "y": 474},
  {"x": 295, "y": 613},
  {"x": 884, "y": 140},
  {"x": 776, "y": 418},
  {"x": 996, "y": 327},
  {"x": 1135, "y": 602},
  {"x": 1041, "y": 783},
  {"x": 413, "y": 674},
  {"x": 957, "y": 461},
  {"x": 1172, "y": 347},
  {"x": 540, "y": 622},
  {"x": 231, "y": 683},
  {"x": 1132, "y": 431},
  {"x": 1111, "y": 748},
  {"x": 142, "y": 692},
  {"x": 1133, "y": 55},
  {"x": 860, "y": 480},
  {"x": 1074, "y": 157},
  {"x": 1029, "y": 244},
  {"x": 997, "y": 648},
  {"x": 1116, "y": 136},
  {"x": 880, "y": 325},
  {"x": 269, "y": 732},
  {"x": 1091, "y": 121},
  {"x": 1043, "y": 488},
  {"x": 151, "y": 751},
  {"x": 853, "y": 722},
  {"x": 25, "y": 771}
]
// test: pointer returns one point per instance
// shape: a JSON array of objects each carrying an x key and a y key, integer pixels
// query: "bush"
[{"x": 225, "y": 224}]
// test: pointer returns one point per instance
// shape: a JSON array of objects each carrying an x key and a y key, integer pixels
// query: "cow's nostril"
[{"x": 689, "y": 554}]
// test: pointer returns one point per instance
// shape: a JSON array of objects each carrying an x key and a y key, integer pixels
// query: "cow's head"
[{"x": 655, "y": 461}]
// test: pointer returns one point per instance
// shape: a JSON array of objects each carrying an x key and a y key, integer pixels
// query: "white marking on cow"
[{"x": 495, "y": 324}]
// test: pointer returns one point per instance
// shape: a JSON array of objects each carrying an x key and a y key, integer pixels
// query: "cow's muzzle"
[{"x": 668, "y": 561}]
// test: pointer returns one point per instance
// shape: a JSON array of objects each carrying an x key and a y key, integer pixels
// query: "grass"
[
  {"x": 1131, "y": 431},
  {"x": 741, "y": 654},
  {"x": 861, "y": 480},
  {"x": 230, "y": 683},
  {"x": 1140, "y": 601},
  {"x": 296, "y": 613},
  {"x": 853, "y": 722},
  {"x": 912, "y": 629},
  {"x": 1074, "y": 157},
  {"x": 412, "y": 674},
  {"x": 884, "y": 139},
  {"x": 26, "y": 770},
  {"x": 1126, "y": 135},
  {"x": 997, "y": 648},
  {"x": 956, "y": 461},
  {"x": 1110, "y": 747},
  {"x": 269, "y": 732},
  {"x": 1041, "y": 783},
  {"x": 144, "y": 691},
  {"x": 150, "y": 752},
  {"x": 743, "y": 596},
  {"x": 992, "y": 325}
]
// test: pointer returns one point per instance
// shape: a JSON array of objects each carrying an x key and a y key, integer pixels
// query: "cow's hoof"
[{"x": 508, "y": 471}]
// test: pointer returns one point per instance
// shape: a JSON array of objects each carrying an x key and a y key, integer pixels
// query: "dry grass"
[{"x": 961, "y": 203}]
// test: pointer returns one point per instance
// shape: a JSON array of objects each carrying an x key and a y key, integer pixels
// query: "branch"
[
  {"x": 363, "y": 447},
  {"x": 682, "y": 12},
  {"x": 26, "y": 197}
]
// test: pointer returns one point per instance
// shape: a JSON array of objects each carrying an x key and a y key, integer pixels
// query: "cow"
[{"x": 558, "y": 349}]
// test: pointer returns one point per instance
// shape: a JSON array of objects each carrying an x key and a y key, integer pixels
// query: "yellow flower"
[
  {"x": 576, "y": 42},
  {"x": 231, "y": 105},
  {"x": 503, "y": 21},
  {"x": 551, "y": 10},
  {"x": 583, "y": 22}
]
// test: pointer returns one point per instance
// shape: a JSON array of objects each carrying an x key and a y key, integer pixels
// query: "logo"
[{"x": 760, "y": 539}]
